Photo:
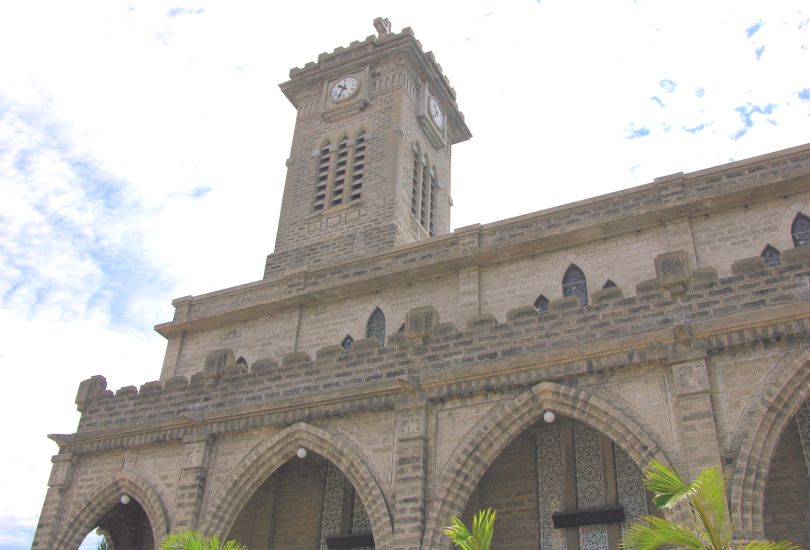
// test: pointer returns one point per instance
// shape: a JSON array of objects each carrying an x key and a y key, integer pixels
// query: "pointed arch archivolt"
[
  {"x": 107, "y": 493},
  {"x": 767, "y": 413},
  {"x": 269, "y": 455},
  {"x": 479, "y": 449}
]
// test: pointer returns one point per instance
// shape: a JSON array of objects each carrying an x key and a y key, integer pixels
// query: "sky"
[{"x": 143, "y": 147}]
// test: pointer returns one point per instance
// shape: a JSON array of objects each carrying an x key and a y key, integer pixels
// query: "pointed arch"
[
  {"x": 771, "y": 256},
  {"x": 767, "y": 413},
  {"x": 484, "y": 443},
  {"x": 375, "y": 327},
  {"x": 574, "y": 284},
  {"x": 106, "y": 494},
  {"x": 609, "y": 284},
  {"x": 800, "y": 230},
  {"x": 269, "y": 455},
  {"x": 541, "y": 304}
]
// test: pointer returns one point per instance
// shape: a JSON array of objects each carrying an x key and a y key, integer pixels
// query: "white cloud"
[{"x": 111, "y": 95}]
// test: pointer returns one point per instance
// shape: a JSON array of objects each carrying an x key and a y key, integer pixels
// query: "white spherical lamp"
[
  {"x": 301, "y": 452},
  {"x": 125, "y": 499},
  {"x": 549, "y": 417}
]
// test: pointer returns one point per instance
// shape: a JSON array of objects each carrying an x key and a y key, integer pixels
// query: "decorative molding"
[
  {"x": 551, "y": 485},
  {"x": 590, "y": 485}
]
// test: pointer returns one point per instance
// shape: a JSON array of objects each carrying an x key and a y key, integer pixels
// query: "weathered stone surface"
[
  {"x": 421, "y": 321},
  {"x": 672, "y": 268}
]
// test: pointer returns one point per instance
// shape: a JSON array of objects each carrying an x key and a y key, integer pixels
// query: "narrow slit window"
[
  {"x": 771, "y": 256},
  {"x": 800, "y": 230},
  {"x": 375, "y": 328},
  {"x": 574, "y": 284}
]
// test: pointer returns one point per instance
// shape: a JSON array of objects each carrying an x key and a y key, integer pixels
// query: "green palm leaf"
[
  {"x": 651, "y": 532},
  {"x": 194, "y": 540},
  {"x": 482, "y": 531},
  {"x": 667, "y": 486}
]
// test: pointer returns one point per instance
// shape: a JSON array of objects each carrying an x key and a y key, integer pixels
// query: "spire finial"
[{"x": 383, "y": 26}]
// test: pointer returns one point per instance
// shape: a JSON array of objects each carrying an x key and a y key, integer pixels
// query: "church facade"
[{"x": 386, "y": 373}]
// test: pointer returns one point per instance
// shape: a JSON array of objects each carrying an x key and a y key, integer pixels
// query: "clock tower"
[{"x": 369, "y": 167}]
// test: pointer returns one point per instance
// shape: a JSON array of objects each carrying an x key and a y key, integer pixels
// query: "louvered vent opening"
[
  {"x": 321, "y": 178},
  {"x": 341, "y": 164},
  {"x": 434, "y": 194},
  {"x": 358, "y": 165}
]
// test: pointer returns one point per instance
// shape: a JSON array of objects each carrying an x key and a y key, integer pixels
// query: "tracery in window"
[
  {"x": 800, "y": 230},
  {"x": 375, "y": 328},
  {"x": 771, "y": 256},
  {"x": 424, "y": 191},
  {"x": 339, "y": 172},
  {"x": 574, "y": 284},
  {"x": 346, "y": 343},
  {"x": 541, "y": 304}
]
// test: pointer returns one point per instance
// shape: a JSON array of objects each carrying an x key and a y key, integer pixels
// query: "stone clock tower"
[{"x": 369, "y": 167}]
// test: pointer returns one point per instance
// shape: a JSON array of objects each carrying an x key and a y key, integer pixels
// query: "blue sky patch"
[
  {"x": 804, "y": 95},
  {"x": 200, "y": 191},
  {"x": 747, "y": 113},
  {"x": 759, "y": 51},
  {"x": 658, "y": 100},
  {"x": 174, "y": 12},
  {"x": 700, "y": 92},
  {"x": 668, "y": 85},
  {"x": 633, "y": 132},
  {"x": 694, "y": 129},
  {"x": 752, "y": 30},
  {"x": 73, "y": 241}
]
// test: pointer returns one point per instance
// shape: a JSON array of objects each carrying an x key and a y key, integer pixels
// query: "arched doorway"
[
  {"x": 561, "y": 484},
  {"x": 485, "y": 444},
  {"x": 786, "y": 510},
  {"x": 125, "y": 507},
  {"x": 307, "y": 503}
]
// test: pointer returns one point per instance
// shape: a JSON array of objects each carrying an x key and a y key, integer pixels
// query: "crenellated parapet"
[
  {"x": 696, "y": 194},
  {"x": 680, "y": 311}
]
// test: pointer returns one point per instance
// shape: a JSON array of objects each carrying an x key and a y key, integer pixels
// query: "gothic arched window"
[
  {"x": 771, "y": 256},
  {"x": 541, "y": 304},
  {"x": 574, "y": 284},
  {"x": 424, "y": 191},
  {"x": 609, "y": 284},
  {"x": 339, "y": 172},
  {"x": 346, "y": 343},
  {"x": 800, "y": 230},
  {"x": 375, "y": 328}
]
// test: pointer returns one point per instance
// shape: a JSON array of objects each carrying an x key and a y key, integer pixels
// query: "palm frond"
[
  {"x": 482, "y": 531},
  {"x": 711, "y": 501},
  {"x": 651, "y": 532},
  {"x": 667, "y": 486},
  {"x": 194, "y": 540}
]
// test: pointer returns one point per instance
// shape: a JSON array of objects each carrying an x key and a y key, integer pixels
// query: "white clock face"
[
  {"x": 345, "y": 88},
  {"x": 436, "y": 112}
]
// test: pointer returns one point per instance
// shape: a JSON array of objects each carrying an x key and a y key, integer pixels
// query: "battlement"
[
  {"x": 359, "y": 50},
  {"x": 679, "y": 311},
  {"x": 695, "y": 194}
]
